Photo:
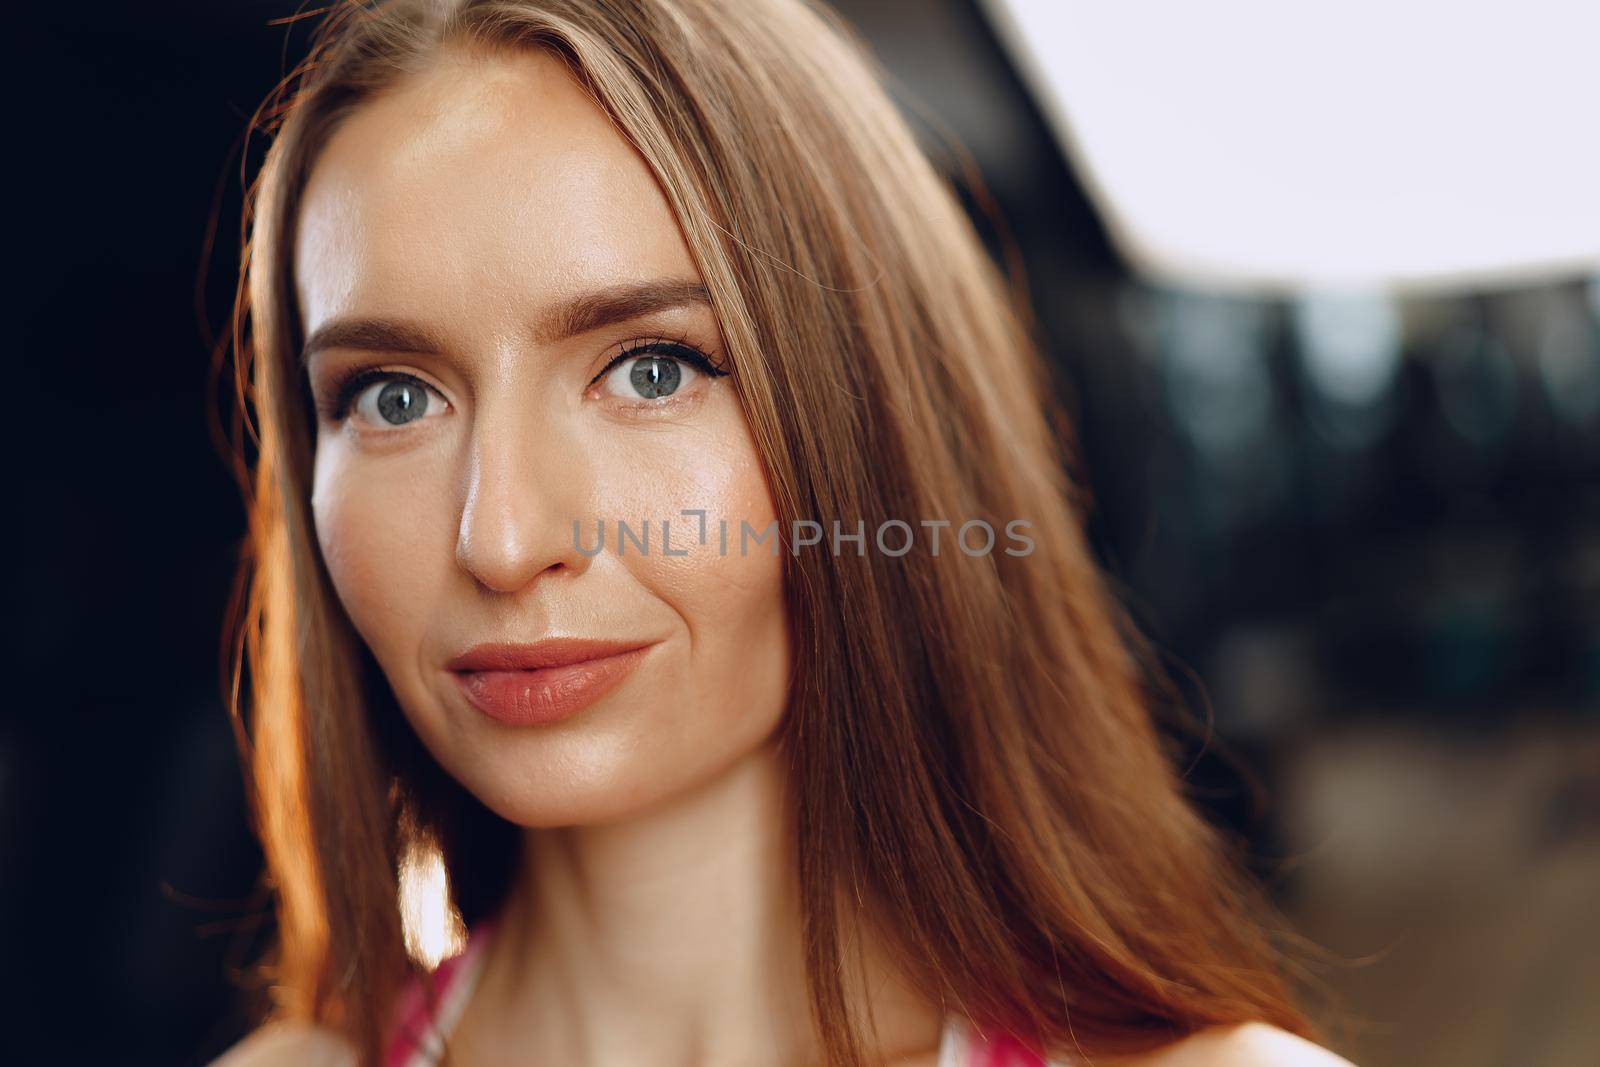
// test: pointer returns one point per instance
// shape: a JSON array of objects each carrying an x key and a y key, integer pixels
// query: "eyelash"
[
  {"x": 349, "y": 382},
  {"x": 679, "y": 349}
]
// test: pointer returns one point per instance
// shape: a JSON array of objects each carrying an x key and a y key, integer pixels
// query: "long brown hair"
[{"x": 972, "y": 739}]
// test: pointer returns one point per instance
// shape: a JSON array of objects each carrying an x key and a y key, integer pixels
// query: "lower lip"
[{"x": 549, "y": 694}]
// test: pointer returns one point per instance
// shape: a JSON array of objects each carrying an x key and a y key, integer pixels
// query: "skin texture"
[{"x": 469, "y": 204}]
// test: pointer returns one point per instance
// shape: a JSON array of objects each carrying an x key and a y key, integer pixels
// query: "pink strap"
[
  {"x": 410, "y": 1024},
  {"x": 1002, "y": 1050}
]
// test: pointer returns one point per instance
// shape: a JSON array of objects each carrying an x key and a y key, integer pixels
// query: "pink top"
[{"x": 414, "y": 1042}]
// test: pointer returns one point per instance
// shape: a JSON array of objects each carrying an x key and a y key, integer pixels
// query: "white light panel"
[{"x": 1276, "y": 144}]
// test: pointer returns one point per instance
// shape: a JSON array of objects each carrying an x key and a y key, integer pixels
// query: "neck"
[{"x": 673, "y": 936}]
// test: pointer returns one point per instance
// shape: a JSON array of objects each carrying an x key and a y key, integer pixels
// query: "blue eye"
[
  {"x": 648, "y": 377},
  {"x": 388, "y": 398},
  {"x": 655, "y": 371},
  {"x": 399, "y": 402}
]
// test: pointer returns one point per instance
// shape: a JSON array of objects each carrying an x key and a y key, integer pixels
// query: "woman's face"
[{"x": 458, "y": 244}]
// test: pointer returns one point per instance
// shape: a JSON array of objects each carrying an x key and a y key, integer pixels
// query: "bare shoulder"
[
  {"x": 1253, "y": 1044},
  {"x": 289, "y": 1044},
  {"x": 1259, "y": 1044}
]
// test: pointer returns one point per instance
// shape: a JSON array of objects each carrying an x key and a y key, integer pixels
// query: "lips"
[{"x": 528, "y": 685}]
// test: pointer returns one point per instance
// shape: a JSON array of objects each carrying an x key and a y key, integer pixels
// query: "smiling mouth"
[{"x": 530, "y": 685}]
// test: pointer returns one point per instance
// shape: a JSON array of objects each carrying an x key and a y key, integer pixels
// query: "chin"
[{"x": 538, "y": 780}]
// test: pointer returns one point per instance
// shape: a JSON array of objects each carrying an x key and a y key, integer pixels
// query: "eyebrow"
[{"x": 581, "y": 314}]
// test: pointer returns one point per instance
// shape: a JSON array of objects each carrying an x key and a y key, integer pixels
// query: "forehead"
[{"x": 478, "y": 186}]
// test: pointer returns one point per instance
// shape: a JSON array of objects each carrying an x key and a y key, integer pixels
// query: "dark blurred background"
[{"x": 1365, "y": 525}]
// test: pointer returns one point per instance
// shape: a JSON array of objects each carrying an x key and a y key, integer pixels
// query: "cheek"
[
  {"x": 730, "y": 602},
  {"x": 380, "y": 545}
]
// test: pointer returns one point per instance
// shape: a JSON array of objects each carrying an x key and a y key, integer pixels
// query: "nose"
[{"x": 516, "y": 520}]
